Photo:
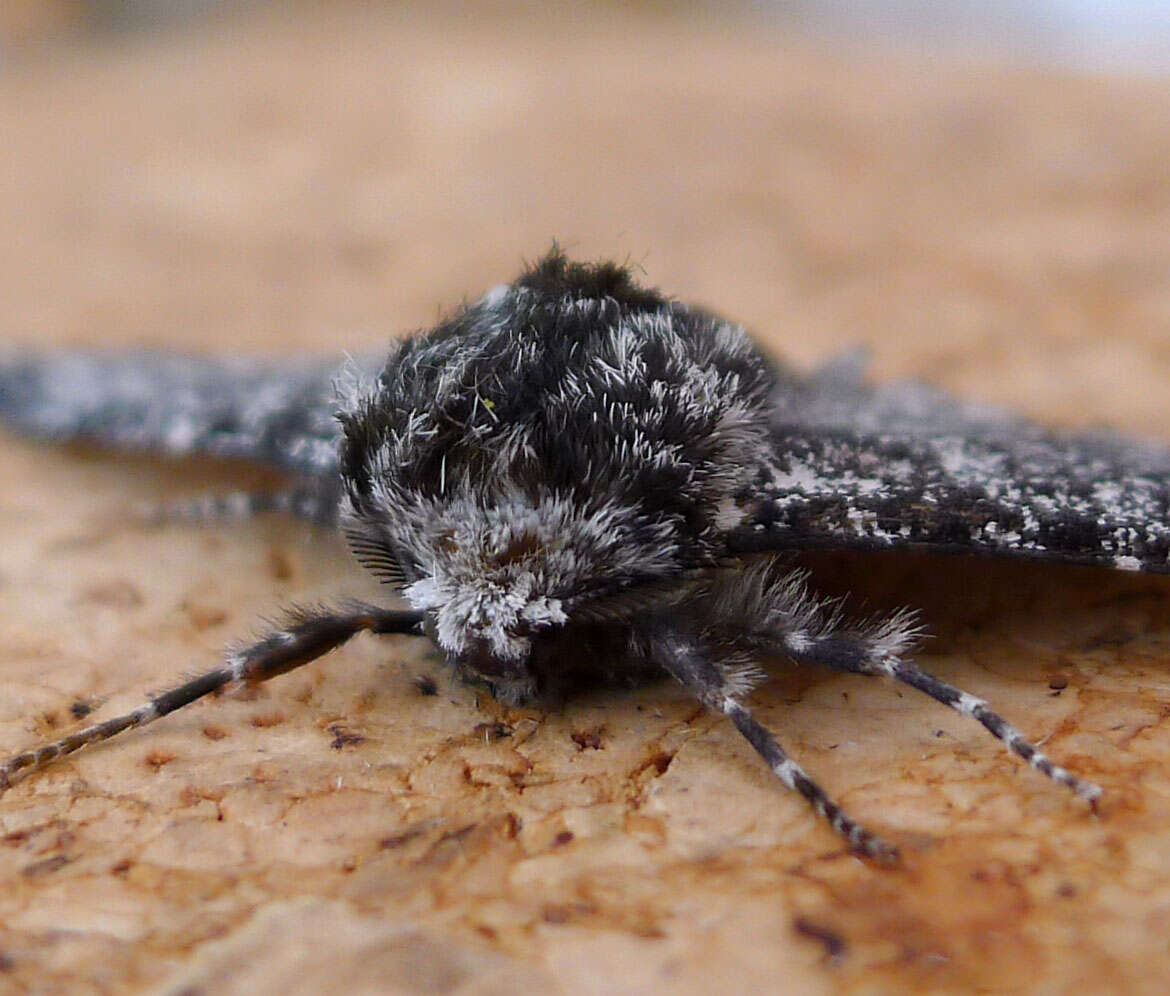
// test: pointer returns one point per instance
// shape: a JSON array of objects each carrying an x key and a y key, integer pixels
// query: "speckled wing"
[
  {"x": 276, "y": 414},
  {"x": 906, "y": 466}
]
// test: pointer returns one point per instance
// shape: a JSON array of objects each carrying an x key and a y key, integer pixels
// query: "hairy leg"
[
  {"x": 719, "y": 685},
  {"x": 868, "y": 653},
  {"x": 767, "y": 610},
  {"x": 303, "y": 637}
]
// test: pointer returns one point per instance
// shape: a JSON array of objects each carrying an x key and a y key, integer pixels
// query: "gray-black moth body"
[{"x": 564, "y": 478}]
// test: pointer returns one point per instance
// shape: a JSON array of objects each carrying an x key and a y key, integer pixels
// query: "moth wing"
[
  {"x": 904, "y": 466},
  {"x": 276, "y": 414}
]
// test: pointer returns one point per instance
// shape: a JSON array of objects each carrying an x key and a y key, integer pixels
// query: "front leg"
[
  {"x": 766, "y": 611},
  {"x": 303, "y": 637},
  {"x": 719, "y": 684},
  {"x": 867, "y": 653}
]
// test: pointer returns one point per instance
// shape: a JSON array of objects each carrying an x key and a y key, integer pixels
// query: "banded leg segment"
[
  {"x": 862, "y": 654},
  {"x": 688, "y": 662},
  {"x": 304, "y": 637},
  {"x": 312, "y": 502}
]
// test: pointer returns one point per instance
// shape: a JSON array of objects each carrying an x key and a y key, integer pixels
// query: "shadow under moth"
[{"x": 568, "y": 481}]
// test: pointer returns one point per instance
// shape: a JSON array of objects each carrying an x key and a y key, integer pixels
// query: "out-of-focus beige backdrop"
[{"x": 316, "y": 179}]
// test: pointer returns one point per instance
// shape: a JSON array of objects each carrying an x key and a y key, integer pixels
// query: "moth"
[{"x": 576, "y": 480}]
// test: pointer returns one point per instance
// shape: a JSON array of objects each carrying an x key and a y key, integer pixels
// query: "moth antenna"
[
  {"x": 304, "y": 636},
  {"x": 373, "y": 553}
]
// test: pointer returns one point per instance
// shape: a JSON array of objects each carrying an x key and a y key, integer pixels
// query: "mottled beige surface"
[{"x": 319, "y": 184}]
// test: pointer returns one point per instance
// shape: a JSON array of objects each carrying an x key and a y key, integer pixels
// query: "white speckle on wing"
[{"x": 903, "y": 462}]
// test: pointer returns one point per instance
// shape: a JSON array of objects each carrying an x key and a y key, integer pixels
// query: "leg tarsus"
[
  {"x": 689, "y": 662},
  {"x": 969, "y": 705},
  {"x": 860, "y": 654},
  {"x": 307, "y": 635},
  {"x": 861, "y": 840}
]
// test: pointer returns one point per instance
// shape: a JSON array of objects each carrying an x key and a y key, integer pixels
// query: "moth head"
[
  {"x": 497, "y": 573},
  {"x": 568, "y": 436}
]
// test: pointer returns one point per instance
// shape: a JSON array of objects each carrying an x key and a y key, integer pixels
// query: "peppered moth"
[{"x": 567, "y": 479}]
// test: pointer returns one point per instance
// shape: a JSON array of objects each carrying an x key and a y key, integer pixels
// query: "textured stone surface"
[{"x": 318, "y": 184}]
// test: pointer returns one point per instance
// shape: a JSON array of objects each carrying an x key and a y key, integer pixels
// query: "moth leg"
[
  {"x": 303, "y": 637},
  {"x": 877, "y": 652},
  {"x": 312, "y": 503},
  {"x": 766, "y": 610},
  {"x": 719, "y": 686}
]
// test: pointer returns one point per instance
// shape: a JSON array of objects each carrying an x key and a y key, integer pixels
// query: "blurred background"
[
  {"x": 1125, "y": 34},
  {"x": 977, "y": 190}
]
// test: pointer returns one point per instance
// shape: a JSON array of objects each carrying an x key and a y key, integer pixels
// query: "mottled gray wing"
[
  {"x": 276, "y": 414},
  {"x": 906, "y": 466}
]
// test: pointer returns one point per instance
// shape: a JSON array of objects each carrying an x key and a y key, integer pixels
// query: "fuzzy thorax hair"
[{"x": 564, "y": 438}]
